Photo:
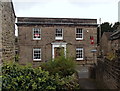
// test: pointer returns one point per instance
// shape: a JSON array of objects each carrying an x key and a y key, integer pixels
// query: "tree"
[
  {"x": 106, "y": 27},
  {"x": 115, "y": 26}
]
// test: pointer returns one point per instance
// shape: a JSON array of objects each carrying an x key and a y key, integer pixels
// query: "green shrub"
[
  {"x": 64, "y": 66},
  {"x": 25, "y": 78}
]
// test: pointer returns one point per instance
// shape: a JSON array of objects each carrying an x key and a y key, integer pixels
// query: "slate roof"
[
  {"x": 55, "y": 21},
  {"x": 115, "y": 35}
]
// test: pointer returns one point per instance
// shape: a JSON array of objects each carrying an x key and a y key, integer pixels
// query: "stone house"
[
  {"x": 41, "y": 39},
  {"x": 115, "y": 39},
  {"x": 110, "y": 42},
  {"x": 7, "y": 30},
  {"x": 105, "y": 43}
]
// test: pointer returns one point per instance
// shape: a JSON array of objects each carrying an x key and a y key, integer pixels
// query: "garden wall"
[{"x": 108, "y": 72}]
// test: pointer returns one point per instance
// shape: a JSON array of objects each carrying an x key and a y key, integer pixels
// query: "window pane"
[
  {"x": 58, "y": 30},
  {"x": 36, "y": 33},
  {"x": 59, "y": 34},
  {"x": 79, "y": 53},
  {"x": 79, "y": 33},
  {"x": 36, "y": 54}
]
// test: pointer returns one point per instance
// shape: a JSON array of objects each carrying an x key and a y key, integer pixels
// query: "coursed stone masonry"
[
  {"x": 48, "y": 27},
  {"x": 7, "y": 31}
]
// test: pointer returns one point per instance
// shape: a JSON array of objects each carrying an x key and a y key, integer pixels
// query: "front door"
[
  {"x": 58, "y": 51},
  {"x": 57, "y": 48}
]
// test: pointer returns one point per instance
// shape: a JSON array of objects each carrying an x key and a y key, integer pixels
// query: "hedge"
[{"x": 17, "y": 77}]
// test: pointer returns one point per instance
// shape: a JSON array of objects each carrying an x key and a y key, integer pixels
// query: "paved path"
[{"x": 84, "y": 80}]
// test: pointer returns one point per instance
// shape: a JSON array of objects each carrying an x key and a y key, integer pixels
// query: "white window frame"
[
  {"x": 79, "y": 33},
  {"x": 58, "y": 37},
  {"x": 36, "y": 49},
  {"x": 37, "y": 29},
  {"x": 81, "y": 53}
]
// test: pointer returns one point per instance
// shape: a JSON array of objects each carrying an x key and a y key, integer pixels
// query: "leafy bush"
[
  {"x": 25, "y": 78},
  {"x": 64, "y": 66}
]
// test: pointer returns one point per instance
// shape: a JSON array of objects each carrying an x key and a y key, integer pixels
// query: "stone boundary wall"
[
  {"x": 0, "y": 32},
  {"x": 109, "y": 73}
]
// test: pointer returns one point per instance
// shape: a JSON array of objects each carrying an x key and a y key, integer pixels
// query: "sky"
[{"x": 107, "y": 10}]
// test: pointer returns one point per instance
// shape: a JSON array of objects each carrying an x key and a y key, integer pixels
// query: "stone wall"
[
  {"x": 108, "y": 72},
  {"x": 48, "y": 27},
  {"x": 0, "y": 31},
  {"x": 7, "y": 30}
]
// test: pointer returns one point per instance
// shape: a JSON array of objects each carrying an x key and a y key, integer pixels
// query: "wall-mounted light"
[{"x": 87, "y": 31}]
